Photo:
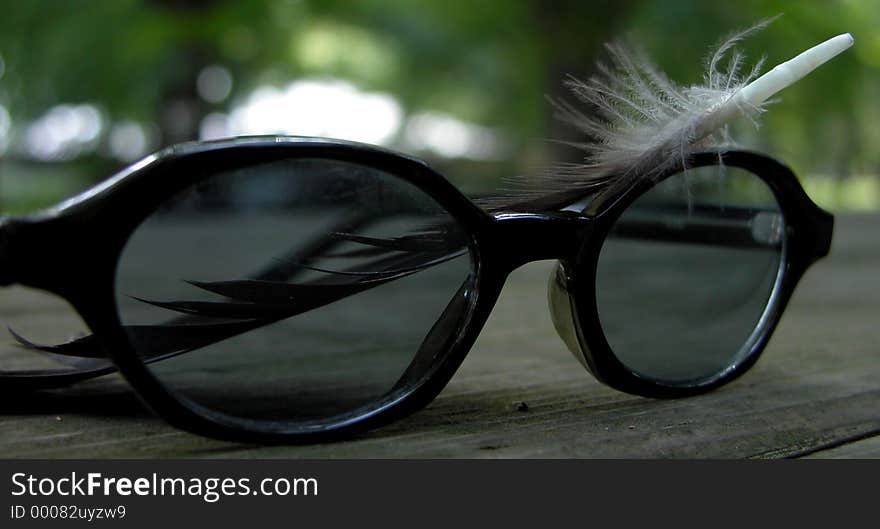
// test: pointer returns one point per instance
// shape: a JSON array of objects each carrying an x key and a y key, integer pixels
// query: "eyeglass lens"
[
  {"x": 687, "y": 272},
  {"x": 295, "y": 291}
]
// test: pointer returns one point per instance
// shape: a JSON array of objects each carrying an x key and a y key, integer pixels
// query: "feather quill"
[{"x": 641, "y": 124}]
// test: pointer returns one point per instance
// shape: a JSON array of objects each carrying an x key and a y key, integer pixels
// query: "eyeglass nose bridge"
[
  {"x": 557, "y": 235},
  {"x": 526, "y": 237}
]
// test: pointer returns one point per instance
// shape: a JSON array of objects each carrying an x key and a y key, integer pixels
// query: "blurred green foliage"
[{"x": 489, "y": 63}]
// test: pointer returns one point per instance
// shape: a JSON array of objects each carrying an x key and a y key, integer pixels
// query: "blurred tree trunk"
[
  {"x": 181, "y": 109},
  {"x": 574, "y": 36}
]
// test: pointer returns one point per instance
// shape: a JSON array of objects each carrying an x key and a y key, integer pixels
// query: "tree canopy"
[{"x": 489, "y": 64}]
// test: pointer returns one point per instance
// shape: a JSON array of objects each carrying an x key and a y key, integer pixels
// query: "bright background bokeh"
[{"x": 89, "y": 86}]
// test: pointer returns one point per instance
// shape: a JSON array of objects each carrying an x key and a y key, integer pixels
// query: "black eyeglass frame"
[{"x": 72, "y": 250}]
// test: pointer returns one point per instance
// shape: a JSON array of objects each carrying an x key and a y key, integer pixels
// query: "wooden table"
[{"x": 816, "y": 391}]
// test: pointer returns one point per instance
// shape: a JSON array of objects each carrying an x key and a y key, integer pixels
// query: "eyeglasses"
[{"x": 296, "y": 289}]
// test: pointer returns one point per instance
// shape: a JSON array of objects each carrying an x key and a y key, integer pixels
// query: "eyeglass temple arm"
[
  {"x": 14, "y": 381},
  {"x": 730, "y": 226}
]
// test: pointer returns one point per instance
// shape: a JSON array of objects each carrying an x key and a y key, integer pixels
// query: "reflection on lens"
[
  {"x": 686, "y": 273},
  {"x": 295, "y": 291}
]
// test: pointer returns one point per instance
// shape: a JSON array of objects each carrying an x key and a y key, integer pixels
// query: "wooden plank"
[
  {"x": 818, "y": 385},
  {"x": 863, "y": 449}
]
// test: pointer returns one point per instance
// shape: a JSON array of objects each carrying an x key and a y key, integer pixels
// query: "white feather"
[
  {"x": 640, "y": 124},
  {"x": 643, "y": 124}
]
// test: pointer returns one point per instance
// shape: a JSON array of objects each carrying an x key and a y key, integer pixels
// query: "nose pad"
[{"x": 563, "y": 314}]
